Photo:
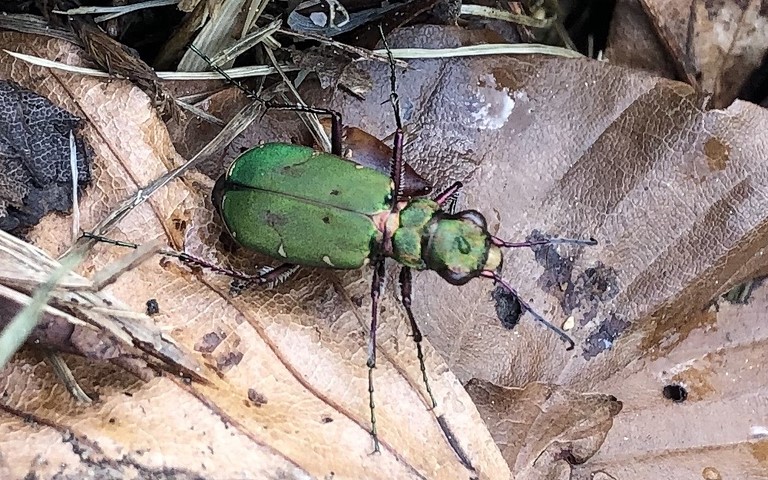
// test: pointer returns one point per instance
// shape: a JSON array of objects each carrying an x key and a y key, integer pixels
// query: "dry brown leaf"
[
  {"x": 718, "y": 44},
  {"x": 288, "y": 393},
  {"x": 632, "y": 41},
  {"x": 721, "y": 430},
  {"x": 574, "y": 148},
  {"x": 560, "y": 426}
]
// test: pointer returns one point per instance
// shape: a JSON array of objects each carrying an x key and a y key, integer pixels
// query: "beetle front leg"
[
  {"x": 377, "y": 287},
  {"x": 406, "y": 291},
  {"x": 449, "y": 195}
]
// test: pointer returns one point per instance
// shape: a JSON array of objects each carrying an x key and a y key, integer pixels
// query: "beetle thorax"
[{"x": 457, "y": 246}]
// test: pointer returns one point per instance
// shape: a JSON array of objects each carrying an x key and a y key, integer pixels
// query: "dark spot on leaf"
[
  {"x": 237, "y": 286},
  {"x": 256, "y": 398},
  {"x": 180, "y": 224},
  {"x": 557, "y": 268},
  {"x": 676, "y": 393},
  {"x": 593, "y": 287},
  {"x": 602, "y": 339},
  {"x": 326, "y": 220},
  {"x": 508, "y": 307},
  {"x": 208, "y": 343},
  {"x": 740, "y": 294},
  {"x": 569, "y": 457},
  {"x": 229, "y": 360},
  {"x": 335, "y": 192},
  {"x": 228, "y": 243},
  {"x": 326, "y": 419},
  {"x": 112, "y": 421},
  {"x": 357, "y": 300},
  {"x": 717, "y": 153},
  {"x": 153, "y": 308}
]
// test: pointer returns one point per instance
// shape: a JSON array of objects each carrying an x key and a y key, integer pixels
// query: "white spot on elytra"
[
  {"x": 281, "y": 250},
  {"x": 327, "y": 260}
]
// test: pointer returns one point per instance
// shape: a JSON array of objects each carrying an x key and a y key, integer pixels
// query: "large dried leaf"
[
  {"x": 288, "y": 385},
  {"x": 561, "y": 427},
  {"x": 716, "y": 45},
  {"x": 720, "y": 431}
]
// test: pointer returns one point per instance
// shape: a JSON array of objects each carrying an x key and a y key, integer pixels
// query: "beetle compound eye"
[{"x": 474, "y": 217}]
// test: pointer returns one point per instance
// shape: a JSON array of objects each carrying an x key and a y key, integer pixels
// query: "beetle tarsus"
[
  {"x": 374, "y": 433},
  {"x": 377, "y": 287}
]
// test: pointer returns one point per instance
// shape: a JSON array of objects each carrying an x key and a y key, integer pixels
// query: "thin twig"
[
  {"x": 497, "y": 14},
  {"x": 238, "y": 72},
  {"x": 479, "y": 50}
]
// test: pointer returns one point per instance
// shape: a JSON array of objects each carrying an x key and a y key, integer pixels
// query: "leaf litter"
[{"x": 614, "y": 164}]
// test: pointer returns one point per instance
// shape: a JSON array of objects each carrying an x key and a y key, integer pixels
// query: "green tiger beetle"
[{"x": 304, "y": 207}]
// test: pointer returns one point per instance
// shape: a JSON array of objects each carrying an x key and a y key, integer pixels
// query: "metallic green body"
[
  {"x": 315, "y": 209},
  {"x": 303, "y": 206}
]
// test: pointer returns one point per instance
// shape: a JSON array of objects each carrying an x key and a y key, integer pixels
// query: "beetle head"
[{"x": 459, "y": 247}]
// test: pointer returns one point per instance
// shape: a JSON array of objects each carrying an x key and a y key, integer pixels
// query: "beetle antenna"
[
  {"x": 563, "y": 336},
  {"x": 544, "y": 241}
]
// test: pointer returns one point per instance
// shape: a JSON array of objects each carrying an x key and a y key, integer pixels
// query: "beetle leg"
[
  {"x": 335, "y": 116},
  {"x": 449, "y": 196},
  {"x": 406, "y": 291},
  {"x": 377, "y": 287},
  {"x": 397, "y": 170},
  {"x": 269, "y": 277}
]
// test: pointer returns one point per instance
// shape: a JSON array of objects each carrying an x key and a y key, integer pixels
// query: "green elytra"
[{"x": 316, "y": 209}]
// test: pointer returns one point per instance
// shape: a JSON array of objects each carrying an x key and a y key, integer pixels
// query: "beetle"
[{"x": 309, "y": 208}]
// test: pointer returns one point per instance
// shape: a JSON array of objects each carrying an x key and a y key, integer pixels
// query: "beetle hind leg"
[
  {"x": 336, "y": 124},
  {"x": 377, "y": 287},
  {"x": 268, "y": 277},
  {"x": 406, "y": 291}
]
